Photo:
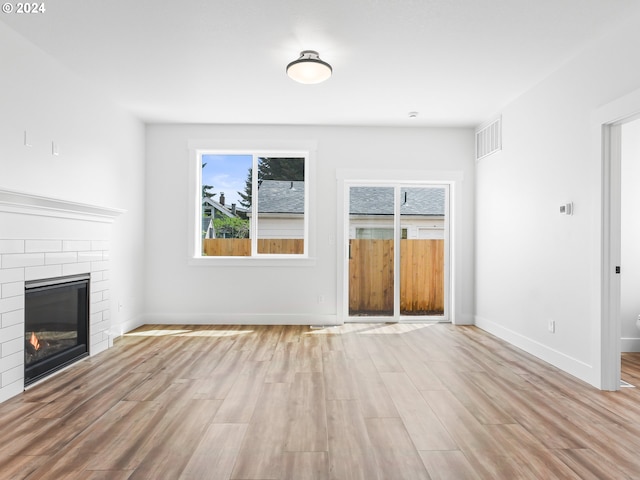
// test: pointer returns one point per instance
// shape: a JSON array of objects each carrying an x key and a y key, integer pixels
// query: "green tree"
[
  {"x": 231, "y": 227},
  {"x": 245, "y": 197},
  {"x": 205, "y": 188},
  {"x": 288, "y": 169}
]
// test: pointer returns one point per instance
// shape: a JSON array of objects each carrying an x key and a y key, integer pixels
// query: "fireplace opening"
[{"x": 56, "y": 325}]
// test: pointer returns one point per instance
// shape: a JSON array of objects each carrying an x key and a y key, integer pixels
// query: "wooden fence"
[
  {"x": 421, "y": 277},
  {"x": 241, "y": 247}
]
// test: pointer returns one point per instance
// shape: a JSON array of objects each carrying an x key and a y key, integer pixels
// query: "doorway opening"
[
  {"x": 629, "y": 239},
  {"x": 611, "y": 330}
]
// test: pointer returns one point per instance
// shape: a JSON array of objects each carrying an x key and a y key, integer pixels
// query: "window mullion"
[
  {"x": 254, "y": 206},
  {"x": 397, "y": 237}
]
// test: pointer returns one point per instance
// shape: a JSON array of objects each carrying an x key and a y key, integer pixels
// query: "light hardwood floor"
[{"x": 361, "y": 401}]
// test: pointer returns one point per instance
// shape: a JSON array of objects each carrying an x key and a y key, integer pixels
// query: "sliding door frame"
[{"x": 398, "y": 186}]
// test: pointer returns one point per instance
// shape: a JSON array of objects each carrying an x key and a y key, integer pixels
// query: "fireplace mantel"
[{"x": 12, "y": 201}]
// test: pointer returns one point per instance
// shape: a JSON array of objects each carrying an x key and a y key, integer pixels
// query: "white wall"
[
  {"x": 534, "y": 265},
  {"x": 179, "y": 292},
  {"x": 630, "y": 237},
  {"x": 100, "y": 162}
]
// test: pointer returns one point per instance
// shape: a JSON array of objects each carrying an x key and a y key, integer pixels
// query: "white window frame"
[{"x": 256, "y": 149}]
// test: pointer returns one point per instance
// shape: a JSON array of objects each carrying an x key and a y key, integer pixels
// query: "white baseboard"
[
  {"x": 239, "y": 319},
  {"x": 630, "y": 344},
  {"x": 564, "y": 362},
  {"x": 124, "y": 327}
]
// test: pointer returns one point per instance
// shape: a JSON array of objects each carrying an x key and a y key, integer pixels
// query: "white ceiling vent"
[{"x": 489, "y": 139}]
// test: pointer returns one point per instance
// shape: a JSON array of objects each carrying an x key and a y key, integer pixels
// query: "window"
[{"x": 261, "y": 215}]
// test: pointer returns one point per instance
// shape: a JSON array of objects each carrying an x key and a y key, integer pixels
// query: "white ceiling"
[{"x": 456, "y": 62}]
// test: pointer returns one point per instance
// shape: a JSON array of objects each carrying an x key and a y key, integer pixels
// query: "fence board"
[
  {"x": 241, "y": 247},
  {"x": 371, "y": 277},
  {"x": 226, "y": 247},
  {"x": 421, "y": 277},
  {"x": 281, "y": 245}
]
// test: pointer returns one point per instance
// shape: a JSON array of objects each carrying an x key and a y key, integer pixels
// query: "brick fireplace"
[{"x": 44, "y": 238}]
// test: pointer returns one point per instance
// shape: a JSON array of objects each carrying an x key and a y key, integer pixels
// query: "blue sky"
[{"x": 227, "y": 173}]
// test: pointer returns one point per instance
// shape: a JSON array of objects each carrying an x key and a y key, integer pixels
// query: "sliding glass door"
[
  {"x": 371, "y": 251},
  {"x": 398, "y": 252}
]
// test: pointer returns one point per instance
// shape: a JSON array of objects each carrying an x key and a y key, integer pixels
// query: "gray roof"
[
  {"x": 280, "y": 196},
  {"x": 426, "y": 201},
  {"x": 225, "y": 209}
]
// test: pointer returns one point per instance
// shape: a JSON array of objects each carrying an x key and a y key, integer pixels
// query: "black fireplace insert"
[{"x": 56, "y": 324}]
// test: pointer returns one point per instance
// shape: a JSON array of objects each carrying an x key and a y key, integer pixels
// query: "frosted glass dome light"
[{"x": 309, "y": 68}]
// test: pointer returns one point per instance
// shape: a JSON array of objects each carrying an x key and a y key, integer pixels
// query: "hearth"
[{"x": 56, "y": 324}]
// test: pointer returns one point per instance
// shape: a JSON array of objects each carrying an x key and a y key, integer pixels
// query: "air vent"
[{"x": 489, "y": 139}]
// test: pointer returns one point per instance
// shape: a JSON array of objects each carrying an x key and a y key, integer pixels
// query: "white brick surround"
[{"x": 47, "y": 238}]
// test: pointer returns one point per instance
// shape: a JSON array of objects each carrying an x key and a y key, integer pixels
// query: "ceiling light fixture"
[{"x": 309, "y": 68}]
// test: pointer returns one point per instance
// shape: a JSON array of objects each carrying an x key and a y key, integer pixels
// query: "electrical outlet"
[
  {"x": 321, "y": 299},
  {"x": 552, "y": 326}
]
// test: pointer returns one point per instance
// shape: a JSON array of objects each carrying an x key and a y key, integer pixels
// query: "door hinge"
[{"x": 617, "y": 268}]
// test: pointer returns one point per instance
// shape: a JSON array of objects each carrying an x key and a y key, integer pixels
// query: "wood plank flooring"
[{"x": 361, "y": 401}]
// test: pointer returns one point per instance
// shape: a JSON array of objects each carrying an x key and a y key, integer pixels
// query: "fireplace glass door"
[{"x": 56, "y": 324}]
